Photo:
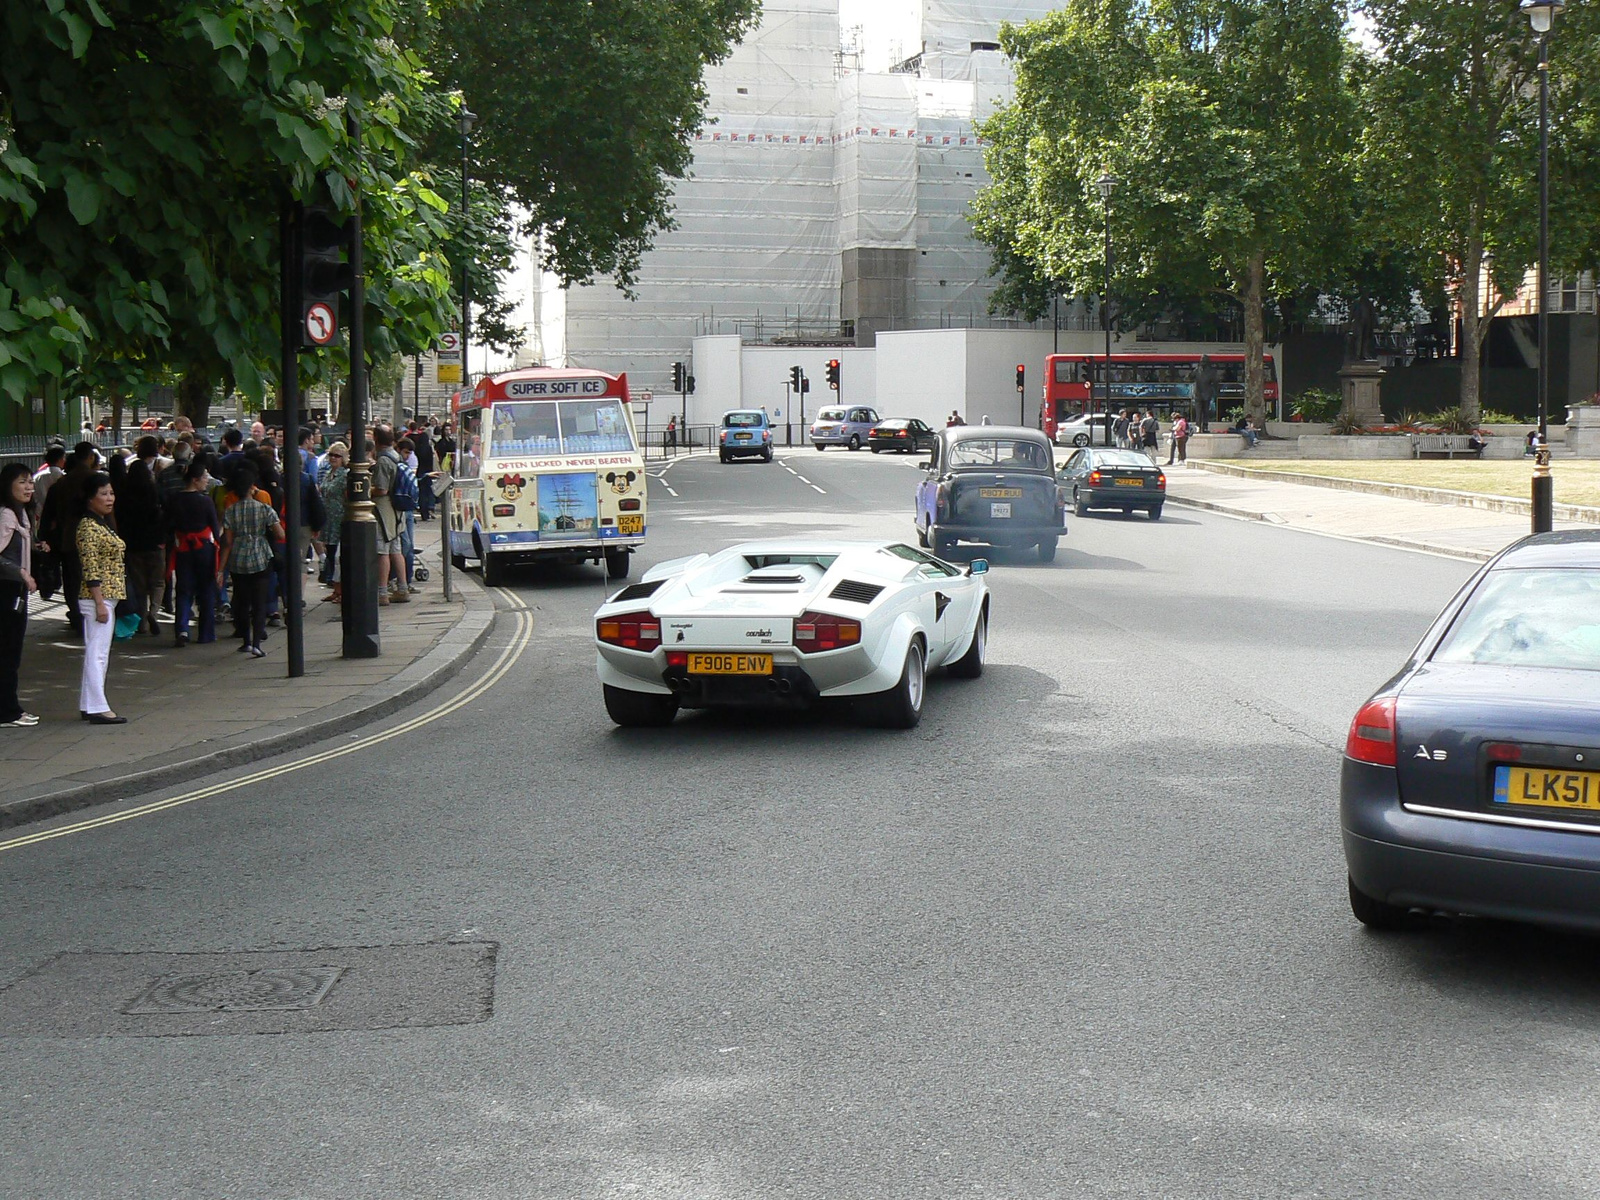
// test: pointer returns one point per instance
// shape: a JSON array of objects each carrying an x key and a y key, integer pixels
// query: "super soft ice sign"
[{"x": 520, "y": 389}]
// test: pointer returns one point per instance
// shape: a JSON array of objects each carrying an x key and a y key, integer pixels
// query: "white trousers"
[{"x": 96, "y": 654}]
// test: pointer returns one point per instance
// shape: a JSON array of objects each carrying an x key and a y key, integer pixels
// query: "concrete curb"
[
  {"x": 423, "y": 676},
  {"x": 1377, "y": 539},
  {"x": 1404, "y": 491}
]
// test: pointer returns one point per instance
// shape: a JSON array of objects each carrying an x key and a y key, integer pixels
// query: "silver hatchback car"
[{"x": 843, "y": 425}]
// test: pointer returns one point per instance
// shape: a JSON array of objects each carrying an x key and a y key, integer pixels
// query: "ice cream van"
[{"x": 549, "y": 470}]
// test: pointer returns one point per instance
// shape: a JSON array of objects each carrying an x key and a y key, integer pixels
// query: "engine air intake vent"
[
  {"x": 856, "y": 592},
  {"x": 637, "y": 591},
  {"x": 768, "y": 576}
]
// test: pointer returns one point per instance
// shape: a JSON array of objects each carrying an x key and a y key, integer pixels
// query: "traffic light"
[
  {"x": 679, "y": 375},
  {"x": 688, "y": 384},
  {"x": 1021, "y": 376},
  {"x": 833, "y": 373},
  {"x": 794, "y": 378},
  {"x": 324, "y": 272}
]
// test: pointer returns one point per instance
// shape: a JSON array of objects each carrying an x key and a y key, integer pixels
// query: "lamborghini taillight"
[{"x": 631, "y": 631}]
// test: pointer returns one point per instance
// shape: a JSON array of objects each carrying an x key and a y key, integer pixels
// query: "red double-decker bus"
[{"x": 1074, "y": 384}]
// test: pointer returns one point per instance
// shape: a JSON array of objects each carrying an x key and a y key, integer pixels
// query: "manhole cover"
[
  {"x": 87, "y": 993},
  {"x": 267, "y": 990}
]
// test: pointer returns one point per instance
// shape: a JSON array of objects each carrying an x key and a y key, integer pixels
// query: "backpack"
[{"x": 404, "y": 495}]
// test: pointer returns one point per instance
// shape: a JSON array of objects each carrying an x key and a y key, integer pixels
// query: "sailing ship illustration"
[{"x": 567, "y": 503}]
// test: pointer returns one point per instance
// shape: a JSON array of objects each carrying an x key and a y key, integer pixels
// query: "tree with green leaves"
[
  {"x": 1230, "y": 125},
  {"x": 586, "y": 114},
  {"x": 149, "y": 147}
]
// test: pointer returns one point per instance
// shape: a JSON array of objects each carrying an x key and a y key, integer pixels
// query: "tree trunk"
[
  {"x": 116, "y": 414},
  {"x": 1255, "y": 341},
  {"x": 1473, "y": 330},
  {"x": 193, "y": 398}
]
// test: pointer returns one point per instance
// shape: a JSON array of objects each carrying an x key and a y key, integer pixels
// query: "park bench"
[{"x": 1446, "y": 445}]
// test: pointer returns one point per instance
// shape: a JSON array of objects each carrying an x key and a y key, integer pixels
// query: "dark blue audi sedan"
[{"x": 1471, "y": 780}]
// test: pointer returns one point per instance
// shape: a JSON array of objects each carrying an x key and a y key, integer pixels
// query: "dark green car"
[{"x": 1125, "y": 479}]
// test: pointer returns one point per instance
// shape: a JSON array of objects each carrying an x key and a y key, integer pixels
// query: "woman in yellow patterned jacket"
[{"x": 100, "y": 551}]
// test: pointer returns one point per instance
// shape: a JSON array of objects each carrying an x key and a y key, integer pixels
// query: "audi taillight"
[
  {"x": 1372, "y": 733},
  {"x": 815, "y": 632},
  {"x": 631, "y": 631}
]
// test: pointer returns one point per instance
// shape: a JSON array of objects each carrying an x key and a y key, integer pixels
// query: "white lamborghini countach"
[{"x": 791, "y": 623}]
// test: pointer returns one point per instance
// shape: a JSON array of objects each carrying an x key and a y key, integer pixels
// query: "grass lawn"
[{"x": 1577, "y": 482}]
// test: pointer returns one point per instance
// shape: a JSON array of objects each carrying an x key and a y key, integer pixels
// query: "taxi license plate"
[
  {"x": 1130, "y": 483},
  {"x": 999, "y": 511},
  {"x": 633, "y": 524},
  {"x": 741, "y": 437},
  {"x": 1546, "y": 787},
  {"x": 730, "y": 664},
  {"x": 1000, "y": 493}
]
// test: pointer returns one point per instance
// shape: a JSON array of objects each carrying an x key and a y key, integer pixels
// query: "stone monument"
[{"x": 1360, "y": 383}]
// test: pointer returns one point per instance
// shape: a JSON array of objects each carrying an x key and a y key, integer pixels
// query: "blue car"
[
  {"x": 1471, "y": 780},
  {"x": 745, "y": 433},
  {"x": 847, "y": 425}
]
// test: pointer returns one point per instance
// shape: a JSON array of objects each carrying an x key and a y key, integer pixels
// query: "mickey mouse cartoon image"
[
  {"x": 511, "y": 486},
  {"x": 620, "y": 484}
]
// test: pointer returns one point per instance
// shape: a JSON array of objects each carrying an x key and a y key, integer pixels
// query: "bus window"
[
  {"x": 525, "y": 427},
  {"x": 594, "y": 426},
  {"x": 1071, "y": 372},
  {"x": 1272, "y": 371}
]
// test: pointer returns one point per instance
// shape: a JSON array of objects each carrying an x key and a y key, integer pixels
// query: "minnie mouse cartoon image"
[{"x": 511, "y": 486}]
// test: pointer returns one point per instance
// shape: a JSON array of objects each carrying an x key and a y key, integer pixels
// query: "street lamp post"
[
  {"x": 1542, "y": 16},
  {"x": 465, "y": 121},
  {"x": 1108, "y": 185}
]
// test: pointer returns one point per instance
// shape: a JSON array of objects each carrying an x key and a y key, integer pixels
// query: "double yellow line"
[{"x": 521, "y": 635}]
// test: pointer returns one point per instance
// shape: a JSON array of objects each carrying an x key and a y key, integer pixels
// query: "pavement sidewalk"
[
  {"x": 200, "y": 709},
  {"x": 1441, "y": 527}
]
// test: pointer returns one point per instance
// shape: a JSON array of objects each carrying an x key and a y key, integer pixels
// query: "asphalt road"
[{"x": 1082, "y": 933}]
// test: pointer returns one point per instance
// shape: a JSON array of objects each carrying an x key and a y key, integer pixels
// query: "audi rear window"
[{"x": 1529, "y": 618}]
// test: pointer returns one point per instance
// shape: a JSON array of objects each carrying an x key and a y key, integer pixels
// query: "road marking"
[
  {"x": 520, "y": 638},
  {"x": 818, "y": 490}
]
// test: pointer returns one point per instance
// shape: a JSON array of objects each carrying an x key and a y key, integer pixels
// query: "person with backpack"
[
  {"x": 388, "y": 503},
  {"x": 1150, "y": 434}
]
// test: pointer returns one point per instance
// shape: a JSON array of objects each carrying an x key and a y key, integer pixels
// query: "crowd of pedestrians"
[{"x": 181, "y": 527}]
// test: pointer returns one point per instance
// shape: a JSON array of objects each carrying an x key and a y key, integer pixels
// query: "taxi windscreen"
[{"x": 550, "y": 427}]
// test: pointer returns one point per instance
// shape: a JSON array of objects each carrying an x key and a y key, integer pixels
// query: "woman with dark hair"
[
  {"x": 196, "y": 529},
  {"x": 269, "y": 480},
  {"x": 248, "y": 530},
  {"x": 101, "y": 557},
  {"x": 16, "y": 582}
]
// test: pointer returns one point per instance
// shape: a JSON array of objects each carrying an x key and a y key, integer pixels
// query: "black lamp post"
[
  {"x": 1542, "y": 16},
  {"x": 1108, "y": 185},
  {"x": 465, "y": 121}
]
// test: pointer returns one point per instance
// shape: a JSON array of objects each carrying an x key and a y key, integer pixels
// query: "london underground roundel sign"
[{"x": 321, "y": 323}]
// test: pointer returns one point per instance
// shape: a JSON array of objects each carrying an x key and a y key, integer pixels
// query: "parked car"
[
  {"x": 790, "y": 623},
  {"x": 1471, "y": 780},
  {"x": 905, "y": 434},
  {"x": 745, "y": 433},
  {"x": 992, "y": 484},
  {"x": 843, "y": 425},
  {"x": 1124, "y": 479},
  {"x": 1084, "y": 430}
]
